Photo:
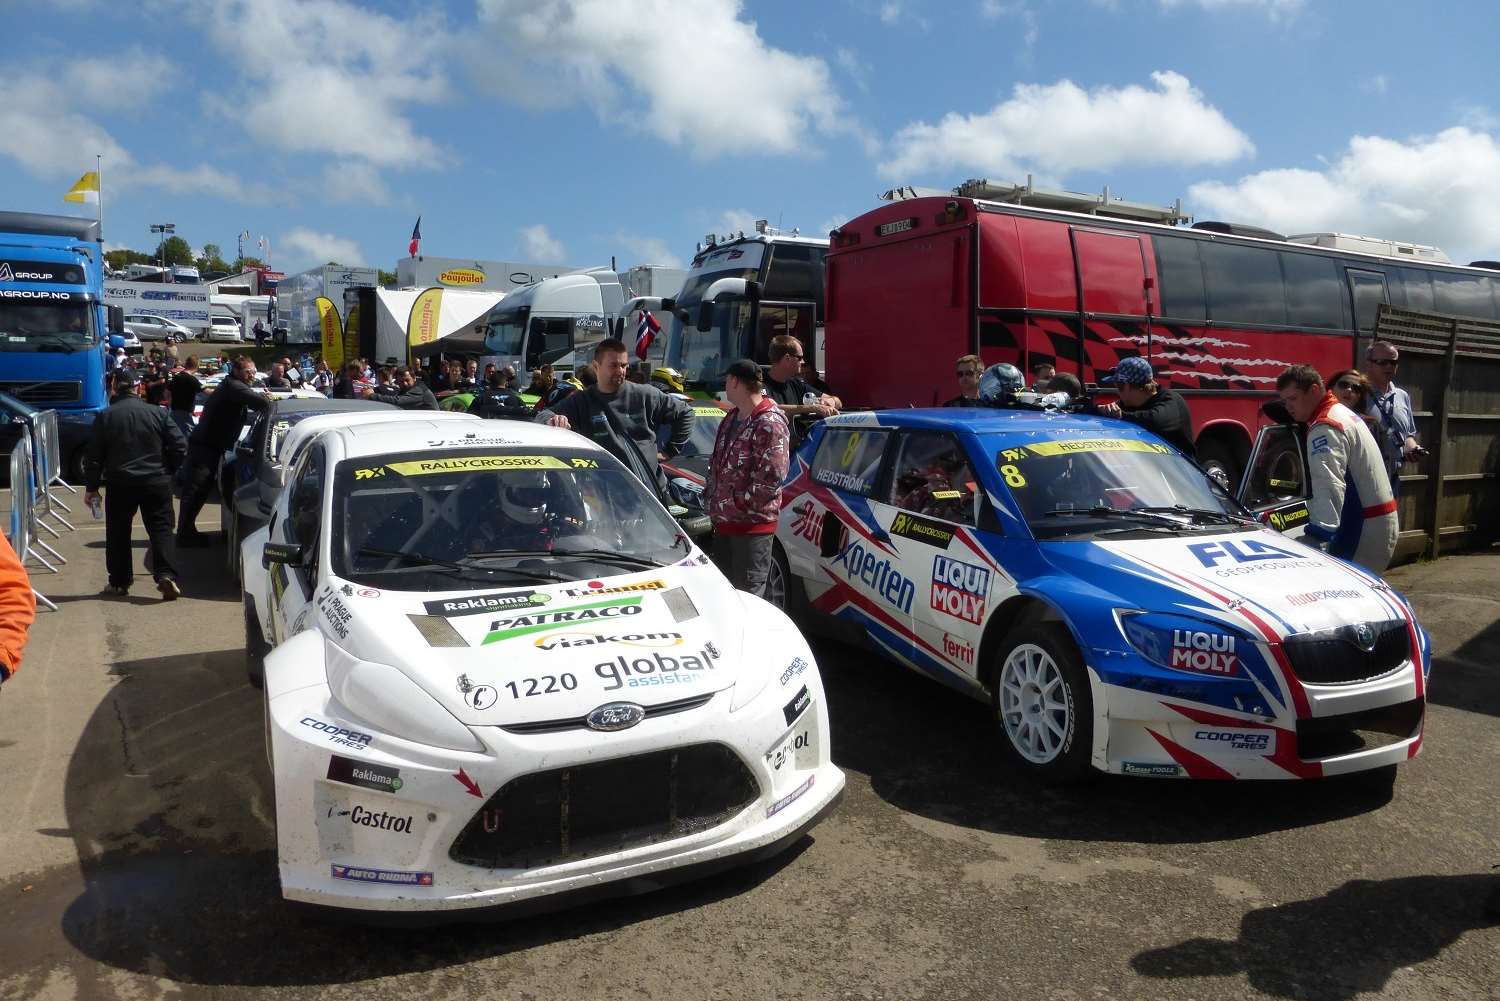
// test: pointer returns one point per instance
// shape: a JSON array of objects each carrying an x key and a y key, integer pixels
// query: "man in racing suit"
[{"x": 1352, "y": 512}]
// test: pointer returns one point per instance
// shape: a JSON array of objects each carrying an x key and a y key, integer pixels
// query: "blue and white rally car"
[{"x": 1117, "y": 608}]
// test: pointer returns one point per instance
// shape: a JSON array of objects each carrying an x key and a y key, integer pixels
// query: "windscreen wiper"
[
  {"x": 1202, "y": 513},
  {"x": 1129, "y": 514},
  {"x": 465, "y": 565},
  {"x": 609, "y": 556}
]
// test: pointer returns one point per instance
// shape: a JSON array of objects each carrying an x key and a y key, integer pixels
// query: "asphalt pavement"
[{"x": 137, "y": 856}]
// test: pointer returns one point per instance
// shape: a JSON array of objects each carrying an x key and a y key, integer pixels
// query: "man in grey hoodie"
[{"x": 622, "y": 416}]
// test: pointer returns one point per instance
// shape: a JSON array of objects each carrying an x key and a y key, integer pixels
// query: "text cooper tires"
[{"x": 1042, "y": 702}]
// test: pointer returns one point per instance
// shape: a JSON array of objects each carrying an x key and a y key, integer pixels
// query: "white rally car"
[{"x": 496, "y": 673}]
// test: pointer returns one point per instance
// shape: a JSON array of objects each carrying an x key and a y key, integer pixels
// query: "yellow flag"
[
  {"x": 86, "y": 190},
  {"x": 332, "y": 331},
  {"x": 422, "y": 324}
]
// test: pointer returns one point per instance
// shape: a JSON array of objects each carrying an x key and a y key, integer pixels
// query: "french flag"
[
  {"x": 645, "y": 333},
  {"x": 416, "y": 239}
]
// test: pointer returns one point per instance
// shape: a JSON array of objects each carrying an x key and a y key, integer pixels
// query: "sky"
[{"x": 574, "y": 131}]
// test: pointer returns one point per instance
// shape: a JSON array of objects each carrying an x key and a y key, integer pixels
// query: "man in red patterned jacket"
[{"x": 743, "y": 493}]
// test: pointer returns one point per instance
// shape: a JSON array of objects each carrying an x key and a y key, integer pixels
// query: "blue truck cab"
[{"x": 54, "y": 324}]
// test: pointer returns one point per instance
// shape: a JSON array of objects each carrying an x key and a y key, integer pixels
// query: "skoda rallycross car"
[
  {"x": 1117, "y": 608},
  {"x": 496, "y": 672}
]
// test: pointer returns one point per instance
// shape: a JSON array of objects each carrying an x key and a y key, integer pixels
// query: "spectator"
[
  {"x": 813, "y": 378},
  {"x": 1352, "y": 512},
  {"x": 1352, "y": 389},
  {"x": 471, "y": 375},
  {"x": 968, "y": 369},
  {"x": 497, "y": 400},
  {"x": 347, "y": 387},
  {"x": 17, "y": 610},
  {"x": 623, "y": 417},
  {"x": 639, "y": 373},
  {"x": 1041, "y": 375},
  {"x": 1161, "y": 411},
  {"x": 277, "y": 379},
  {"x": 542, "y": 382},
  {"x": 184, "y": 388},
  {"x": 217, "y": 431},
  {"x": 135, "y": 448},
  {"x": 788, "y": 390},
  {"x": 440, "y": 382},
  {"x": 259, "y": 330},
  {"x": 1391, "y": 406},
  {"x": 322, "y": 379},
  {"x": 408, "y": 392},
  {"x": 743, "y": 492},
  {"x": 290, "y": 372}
]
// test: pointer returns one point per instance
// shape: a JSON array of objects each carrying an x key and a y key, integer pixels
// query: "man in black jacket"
[
  {"x": 409, "y": 393},
  {"x": 1160, "y": 411},
  {"x": 135, "y": 447},
  {"x": 497, "y": 401},
  {"x": 184, "y": 388},
  {"x": 217, "y": 431}
]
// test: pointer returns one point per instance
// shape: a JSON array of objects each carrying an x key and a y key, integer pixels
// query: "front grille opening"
[
  {"x": 1331, "y": 736},
  {"x": 588, "y": 810},
  {"x": 1335, "y": 660}
]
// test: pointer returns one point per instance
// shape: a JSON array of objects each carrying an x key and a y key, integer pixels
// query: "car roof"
[
  {"x": 1022, "y": 423},
  {"x": 421, "y": 433},
  {"x": 324, "y": 404}
]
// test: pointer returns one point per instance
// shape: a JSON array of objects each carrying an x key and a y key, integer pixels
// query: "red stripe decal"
[
  {"x": 1196, "y": 765},
  {"x": 1376, "y": 510}
]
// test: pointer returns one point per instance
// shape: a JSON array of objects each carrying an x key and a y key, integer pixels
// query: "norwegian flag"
[
  {"x": 416, "y": 239},
  {"x": 645, "y": 333}
]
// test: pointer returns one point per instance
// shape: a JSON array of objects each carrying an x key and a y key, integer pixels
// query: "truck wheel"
[
  {"x": 1042, "y": 702},
  {"x": 76, "y": 475},
  {"x": 256, "y": 646}
]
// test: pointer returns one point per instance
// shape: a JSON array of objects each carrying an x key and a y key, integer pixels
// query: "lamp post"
[{"x": 166, "y": 229}]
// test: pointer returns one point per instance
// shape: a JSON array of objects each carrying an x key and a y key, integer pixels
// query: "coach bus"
[
  {"x": 1019, "y": 275},
  {"x": 739, "y": 293}
]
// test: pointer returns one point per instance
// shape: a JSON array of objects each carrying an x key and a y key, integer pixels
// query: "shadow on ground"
[
  {"x": 168, "y": 804},
  {"x": 1339, "y": 945},
  {"x": 936, "y": 753}
]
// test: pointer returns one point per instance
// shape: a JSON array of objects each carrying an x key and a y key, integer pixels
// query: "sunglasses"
[
  {"x": 1385, "y": 362},
  {"x": 1351, "y": 386}
]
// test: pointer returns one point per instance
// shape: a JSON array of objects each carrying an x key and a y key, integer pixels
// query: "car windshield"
[
  {"x": 1072, "y": 486},
  {"x": 706, "y": 420},
  {"x": 419, "y": 521},
  {"x": 46, "y": 326}
]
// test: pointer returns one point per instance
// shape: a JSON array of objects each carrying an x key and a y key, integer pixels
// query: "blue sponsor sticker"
[{"x": 1319, "y": 443}]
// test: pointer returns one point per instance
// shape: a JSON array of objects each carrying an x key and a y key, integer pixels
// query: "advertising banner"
[
  {"x": 422, "y": 324},
  {"x": 333, "y": 332},
  {"x": 184, "y": 304}
]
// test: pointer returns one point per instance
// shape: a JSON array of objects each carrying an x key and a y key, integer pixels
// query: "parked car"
[
  {"x": 156, "y": 328},
  {"x": 497, "y": 674},
  {"x": 223, "y": 328},
  {"x": 1115, "y": 606},
  {"x": 687, "y": 472}
]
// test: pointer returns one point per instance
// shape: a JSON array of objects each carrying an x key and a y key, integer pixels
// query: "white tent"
[{"x": 460, "y": 311}]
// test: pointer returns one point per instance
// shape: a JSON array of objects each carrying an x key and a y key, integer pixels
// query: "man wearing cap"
[
  {"x": 743, "y": 492},
  {"x": 1161, "y": 411}
]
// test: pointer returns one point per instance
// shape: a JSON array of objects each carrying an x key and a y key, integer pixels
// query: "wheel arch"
[
  {"x": 1229, "y": 438},
  {"x": 1018, "y": 608}
]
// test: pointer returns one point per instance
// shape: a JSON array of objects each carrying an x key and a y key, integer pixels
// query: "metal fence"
[
  {"x": 1451, "y": 367},
  {"x": 21, "y": 523}
]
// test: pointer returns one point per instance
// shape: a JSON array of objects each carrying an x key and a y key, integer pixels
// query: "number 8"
[
  {"x": 1013, "y": 477},
  {"x": 848, "y": 455}
]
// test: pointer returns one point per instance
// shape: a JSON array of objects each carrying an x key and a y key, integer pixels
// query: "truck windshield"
[
  {"x": 46, "y": 326},
  {"x": 506, "y": 333},
  {"x": 701, "y": 355}
]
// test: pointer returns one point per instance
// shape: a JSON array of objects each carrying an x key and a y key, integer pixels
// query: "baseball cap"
[
  {"x": 1134, "y": 371},
  {"x": 744, "y": 370}
]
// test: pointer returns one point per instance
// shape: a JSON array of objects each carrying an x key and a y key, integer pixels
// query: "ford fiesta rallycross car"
[
  {"x": 496, "y": 673},
  {"x": 1114, "y": 605}
]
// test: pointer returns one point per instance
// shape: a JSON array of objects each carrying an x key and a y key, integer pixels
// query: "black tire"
[
  {"x": 256, "y": 647},
  {"x": 1218, "y": 457},
  {"x": 230, "y": 522},
  {"x": 784, "y": 590},
  {"x": 1055, "y": 743}
]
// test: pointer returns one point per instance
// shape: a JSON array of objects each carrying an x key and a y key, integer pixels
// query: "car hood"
[
  {"x": 507, "y": 656},
  {"x": 1289, "y": 587}
]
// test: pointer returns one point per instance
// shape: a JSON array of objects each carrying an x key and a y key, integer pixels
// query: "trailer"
[{"x": 297, "y": 296}]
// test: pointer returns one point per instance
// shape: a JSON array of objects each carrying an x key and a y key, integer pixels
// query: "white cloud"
[
  {"x": 890, "y": 12},
  {"x": 737, "y": 220},
  {"x": 326, "y": 76},
  {"x": 353, "y": 181},
  {"x": 541, "y": 247},
  {"x": 1054, "y": 128},
  {"x": 994, "y": 10},
  {"x": 830, "y": 224},
  {"x": 311, "y": 248},
  {"x": 857, "y": 69},
  {"x": 1377, "y": 84},
  {"x": 649, "y": 250},
  {"x": 1276, "y": 10},
  {"x": 691, "y": 72},
  {"x": 1437, "y": 189}
]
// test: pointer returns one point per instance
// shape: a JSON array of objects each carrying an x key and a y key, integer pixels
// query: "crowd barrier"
[{"x": 20, "y": 527}]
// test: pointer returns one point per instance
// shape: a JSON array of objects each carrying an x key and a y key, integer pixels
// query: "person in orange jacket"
[{"x": 17, "y": 609}]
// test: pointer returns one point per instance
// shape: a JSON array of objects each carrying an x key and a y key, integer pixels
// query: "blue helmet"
[{"x": 1000, "y": 380}]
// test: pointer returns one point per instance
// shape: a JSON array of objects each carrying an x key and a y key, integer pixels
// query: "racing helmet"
[
  {"x": 667, "y": 379},
  {"x": 523, "y": 498},
  {"x": 1000, "y": 380}
]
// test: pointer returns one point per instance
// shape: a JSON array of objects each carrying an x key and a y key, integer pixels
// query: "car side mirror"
[
  {"x": 831, "y": 543},
  {"x": 286, "y": 553}
]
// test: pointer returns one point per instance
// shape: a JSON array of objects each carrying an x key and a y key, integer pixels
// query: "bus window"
[
  {"x": 1464, "y": 295},
  {"x": 1181, "y": 273},
  {"x": 796, "y": 272},
  {"x": 1244, "y": 284},
  {"x": 1313, "y": 296},
  {"x": 1418, "y": 286},
  {"x": 777, "y": 319},
  {"x": 1368, "y": 289}
]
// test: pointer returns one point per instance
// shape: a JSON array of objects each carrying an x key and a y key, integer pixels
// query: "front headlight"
[
  {"x": 387, "y": 699},
  {"x": 1183, "y": 643}
]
